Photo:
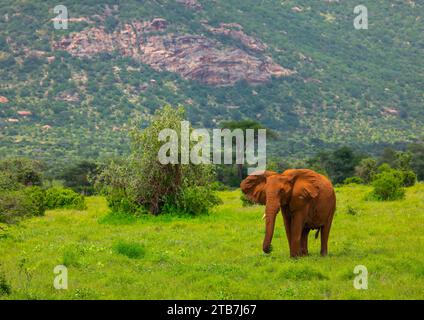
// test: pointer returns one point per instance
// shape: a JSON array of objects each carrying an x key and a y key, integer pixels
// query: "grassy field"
[{"x": 217, "y": 256}]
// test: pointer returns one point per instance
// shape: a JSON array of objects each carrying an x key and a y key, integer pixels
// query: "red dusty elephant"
[{"x": 307, "y": 201}]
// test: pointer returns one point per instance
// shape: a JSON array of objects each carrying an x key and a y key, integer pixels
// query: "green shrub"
[
  {"x": 192, "y": 200},
  {"x": 130, "y": 249},
  {"x": 408, "y": 178},
  {"x": 119, "y": 203},
  {"x": 219, "y": 186},
  {"x": 384, "y": 168},
  {"x": 18, "y": 204},
  {"x": 354, "y": 180},
  {"x": 38, "y": 197},
  {"x": 388, "y": 185},
  {"x": 64, "y": 198},
  {"x": 8, "y": 181}
]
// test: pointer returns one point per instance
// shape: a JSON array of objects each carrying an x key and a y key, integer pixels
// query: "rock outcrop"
[
  {"x": 199, "y": 58},
  {"x": 236, "y": 32},
  {"x": 194, "y": 57}
]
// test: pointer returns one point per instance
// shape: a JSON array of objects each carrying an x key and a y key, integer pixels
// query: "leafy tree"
[
  {"x": 8, "y": 181},
  {"x": 339, "y": 164},
  {"x": 78, "y": 177},
  {"x": 417, "y": 159},
  {"x": 244, "y": 125},
  {"x": 143, "y": 183},
  {"x": 278, "y": 165},
  {"x": 408, "y": 178},
  {"x": 388, "y": 156},
  {"x": 403, "y": 161},
  {"x": 24, "y": 171},
  {"x": 354, "y": 180},
  {"x": 320, "y": 163},
  {"x": 366, "y": 169}
]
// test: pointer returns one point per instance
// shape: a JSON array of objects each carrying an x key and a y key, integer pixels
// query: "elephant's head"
[{"x": 276, "y": 190}]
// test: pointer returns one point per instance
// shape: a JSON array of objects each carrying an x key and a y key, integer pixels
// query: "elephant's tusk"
[{"x": 263, "y": 217}]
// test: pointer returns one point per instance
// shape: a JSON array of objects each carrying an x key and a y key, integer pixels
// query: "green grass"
[
  {"x": 216, "y": 256},
  {"x": 131, "y": 250}
]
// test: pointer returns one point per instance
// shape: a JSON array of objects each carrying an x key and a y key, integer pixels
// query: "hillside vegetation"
[
  {"x": 362, "y": 88},
  {"x": 215, "y": 256}
]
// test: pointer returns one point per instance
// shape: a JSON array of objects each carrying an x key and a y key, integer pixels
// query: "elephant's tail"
[{"x": 317, "y": 233}]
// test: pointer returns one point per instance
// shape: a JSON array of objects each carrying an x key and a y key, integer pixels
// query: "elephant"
[{"x": 307, "y": 201}]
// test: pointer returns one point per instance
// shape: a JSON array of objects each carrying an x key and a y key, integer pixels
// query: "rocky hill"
[
  {"x": 194, "y": 57},
  {"x": 297, "y": 66}
]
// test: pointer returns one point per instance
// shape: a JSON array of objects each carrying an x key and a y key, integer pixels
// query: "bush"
[
  {"x": 64, "y": 198},
  {"x": 18, "y": 204},
  {"x": 385, "y": 167},
  {"x": 408, "y": 178},
  {"x": 119, "y": 203},
  {"x": 355, "y": 180},
  {"x": 8, "y": 182},
  {"x": 388, "y": 186},
  {"x": 38, "y": 198},
  {"x": 219, "y": 186},
  {"x": 192, "y": 200}
]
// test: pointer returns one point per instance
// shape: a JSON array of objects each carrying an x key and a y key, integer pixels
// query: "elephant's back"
[{"x": 327, "y": 198}]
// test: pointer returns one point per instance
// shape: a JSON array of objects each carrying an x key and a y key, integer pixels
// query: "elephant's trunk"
[{"x": 269, "y": 232}]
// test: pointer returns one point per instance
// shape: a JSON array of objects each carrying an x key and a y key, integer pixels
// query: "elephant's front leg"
[{"x": 296, "y": 230}]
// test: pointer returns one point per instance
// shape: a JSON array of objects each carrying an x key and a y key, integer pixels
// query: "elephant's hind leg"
[
  {"x": 304, "y": 242},
  {"x": 325, "y": 232}
]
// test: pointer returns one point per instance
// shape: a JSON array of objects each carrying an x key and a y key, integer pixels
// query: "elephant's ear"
[
  {"x": 254, "y": 186},
  {"x": 306, "y": 179}
]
